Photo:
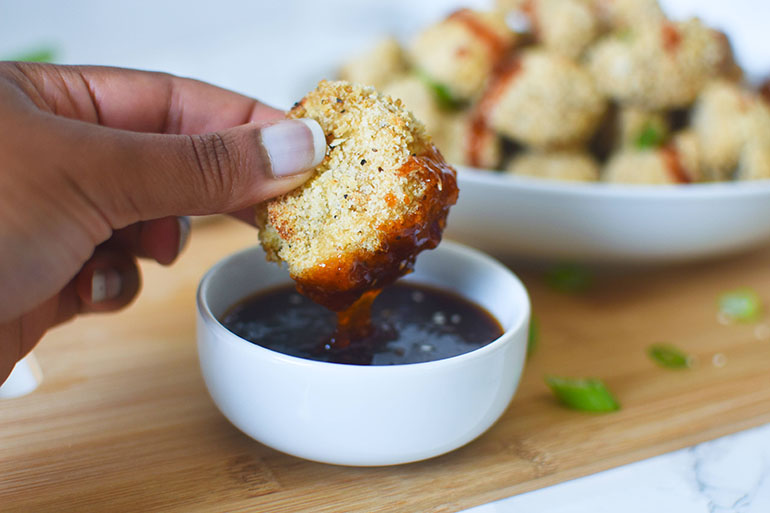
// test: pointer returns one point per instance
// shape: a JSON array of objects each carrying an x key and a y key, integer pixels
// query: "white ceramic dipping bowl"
[{"x": 364, "y": 415}]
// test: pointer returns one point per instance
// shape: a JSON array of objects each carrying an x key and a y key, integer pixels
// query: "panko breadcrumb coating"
[
  {"x": 565, "y": 27},
  {"x": 419, "y": 99},
  {"x": 725, "y": 118},
  {"x": 455, "y": 135},
  {"x": 573, "y": 166},
  {"x": 655, "y": 166},
  {"x": 380, "y": 196},
  {"x": 612, "y": 79},
  {"x": 467, "y": 141},
  {"x": 376, "y": 67},
  {"x": 754, "y": 163},
  {"x": 545, "y": 101},
  {"x": 461, "y": 51},
  {"x": 658, "y": 66},
  {"x": 720, "y": 105},
  {"x": 689, "y": 154},
  {"x": 621, "y": 14}
]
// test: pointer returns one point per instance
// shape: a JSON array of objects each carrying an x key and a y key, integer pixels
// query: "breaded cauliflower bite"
[
  {"x": 461, "y": 51},
  {"x": 565, "y": 27},
  {"x": 572, "y": 166},
  {"x": 377, "y": 66},
  {"x": 544, "y": 101},
  {"x": 466, "y": 139},
  {"x": 658, "y": 66},
  {"x": 754, "y": 163},
  {"x": 380, "y": 196},
  {"x": 620, "y": 14},
  {"x": 675, "y": 163},
  {"x": 725, "y": 104},
  {"x": 419, "y": 99},
  {"x": 459, "y": 139}
]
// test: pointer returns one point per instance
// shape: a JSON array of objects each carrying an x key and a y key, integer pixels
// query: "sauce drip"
[
  {"x": 337, "y": 284},
  {"x": 674, "y": 165},
  {"x": 671, "y": 37},
  {"x": 494, "y": 42},
  {"x": 410, "y": 323},
  {"x": 764, "y": 91},
  {"x": 354, "y": 323},
  {"x": 479, "y": 130}
]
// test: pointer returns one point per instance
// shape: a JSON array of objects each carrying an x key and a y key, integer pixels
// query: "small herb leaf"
[
  {"x": 441, "y": 92},
  {"x": 651, "y": 136},
  {"x": 668, "y": 356},
  {"x": 584, "y": 394},
  {"x": 741, "y": 304},
  {"x": 569, "y": 278}
]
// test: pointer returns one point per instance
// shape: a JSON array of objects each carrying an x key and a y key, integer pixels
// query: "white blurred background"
[{"x": 278, "y": 50}]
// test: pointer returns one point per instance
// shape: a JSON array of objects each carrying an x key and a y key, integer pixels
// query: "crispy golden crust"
[
  {"x": 754, "y": 163},
  {"x": 674, "y": 163},
  {"x": 380, "y": 196},
  {"x": 566, "y": 27},
  {"x": 467, "y": 143},
  {"x": 377, "y": 66},
  {"x": 547, "y": 102},
  {"x": 725, "y": 104},
  {"x": 419, "y": 99},
  {"x": 658, "y": 66},
  {"x": 621, "y": 14},
  {"x": 573, "y": 166},
  {"x": 460, "y": 52}
]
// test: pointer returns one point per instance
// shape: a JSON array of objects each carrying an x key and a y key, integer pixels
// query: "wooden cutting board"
[{"x": 122, "y": 421}]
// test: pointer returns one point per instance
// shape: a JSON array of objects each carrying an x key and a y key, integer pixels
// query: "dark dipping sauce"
[{"x": 409, "y": 324}]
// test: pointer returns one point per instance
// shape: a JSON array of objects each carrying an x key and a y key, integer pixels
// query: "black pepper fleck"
[
  {"x": 363, "y": 161},
  {"x": 339, "y": 100},
  {"x": 345, "y": 196}
]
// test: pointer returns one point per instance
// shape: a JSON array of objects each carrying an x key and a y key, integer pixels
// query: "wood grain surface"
[{"x": 122, "y": 421}]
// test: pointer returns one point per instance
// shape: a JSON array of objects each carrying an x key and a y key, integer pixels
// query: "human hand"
[{"x": 95, "y": 165}]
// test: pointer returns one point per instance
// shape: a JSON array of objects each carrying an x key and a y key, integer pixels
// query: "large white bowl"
[
  {"x": 510, "y": 216},
  {"x": 364, "y": 415}
]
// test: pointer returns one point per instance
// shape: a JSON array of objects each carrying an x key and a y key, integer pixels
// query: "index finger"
[{"x": 140, "y": 101}]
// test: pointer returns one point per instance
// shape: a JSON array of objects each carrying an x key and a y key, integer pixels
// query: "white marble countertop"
[
  {"x": 727, "y": 475},
  {"x": 276, "y": 51}
]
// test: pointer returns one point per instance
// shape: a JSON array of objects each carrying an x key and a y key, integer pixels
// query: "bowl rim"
[
  {"x": 531, "y": 184},
  {"x": 519, "y": 322}
]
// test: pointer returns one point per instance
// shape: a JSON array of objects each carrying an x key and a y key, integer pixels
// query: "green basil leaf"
[
  {"x": 651, "y": 136},
  {"x": 741, "y": 304},
  {"x": 569, "y": 278},
  {"x": 584, "y": 394},
  {"x": 441, "y": 92},
  {"x": 666, "y": 355}
]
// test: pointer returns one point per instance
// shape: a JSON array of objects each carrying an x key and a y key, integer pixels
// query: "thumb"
[{"x": 145, "y": 176}]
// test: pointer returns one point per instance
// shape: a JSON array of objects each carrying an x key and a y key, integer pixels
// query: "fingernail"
[
  {"x": 184, "y": 232},
  {"x": 293, "y": 146},
  {"x": 105, "y": 284}
]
